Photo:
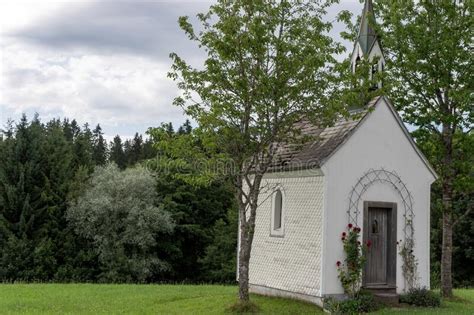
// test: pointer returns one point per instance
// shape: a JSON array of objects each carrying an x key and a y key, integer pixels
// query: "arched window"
[
  {"x": 356, "y": 64},
  {"x": 277, "y": 210},
  {"x": 373, "y": 72},
  {"x": 277, "y": 217}
]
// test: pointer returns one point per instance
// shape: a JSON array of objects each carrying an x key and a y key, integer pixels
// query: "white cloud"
[
  {"x": 96, "y": 61},
  {"x": 112, "y": 90}
]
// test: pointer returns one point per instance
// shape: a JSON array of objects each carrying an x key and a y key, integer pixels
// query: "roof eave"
[{"x": 408, "y": 135}]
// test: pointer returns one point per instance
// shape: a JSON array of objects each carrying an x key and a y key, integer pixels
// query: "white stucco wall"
[
  {"x": 292, "y": 262},
  {"x": 379, "y": 142}
]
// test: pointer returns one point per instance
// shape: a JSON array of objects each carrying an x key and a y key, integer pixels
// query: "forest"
[{"x": 75, "y": 208}]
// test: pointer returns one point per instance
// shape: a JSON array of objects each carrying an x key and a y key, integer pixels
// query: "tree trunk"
[
  {"x": 447, "y": 245},
  {"x": 446, "y": 256},
  {"x": 244, "y": 260},
  {"x": 247, "y": 229},
  {"x": 447, "y": 193}
]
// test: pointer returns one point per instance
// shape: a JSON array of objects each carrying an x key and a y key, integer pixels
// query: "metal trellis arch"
[{"x": 389, "y": 177}]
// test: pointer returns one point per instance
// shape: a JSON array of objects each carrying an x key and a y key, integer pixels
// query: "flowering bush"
[{"x": 350, "y": 272}]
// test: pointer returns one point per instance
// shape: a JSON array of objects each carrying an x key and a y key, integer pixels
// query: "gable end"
[{"x": 393, "y": 111}]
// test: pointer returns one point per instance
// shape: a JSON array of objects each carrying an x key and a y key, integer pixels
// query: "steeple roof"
[{"x": 367, "y": 35}]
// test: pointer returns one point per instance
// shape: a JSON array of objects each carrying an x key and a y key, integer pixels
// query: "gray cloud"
[
  {"x": 145, "y": 28},
  {"x": 103, "y": 62}
]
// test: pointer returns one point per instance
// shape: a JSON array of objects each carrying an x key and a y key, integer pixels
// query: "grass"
[
  {"x": 168, "y": 299},
  {"x": 133, "y": 299},
  {"x": 462, "y": 303}
]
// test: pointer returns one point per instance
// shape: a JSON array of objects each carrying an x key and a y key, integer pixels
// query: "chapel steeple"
[{"x": 367, "y": 45}]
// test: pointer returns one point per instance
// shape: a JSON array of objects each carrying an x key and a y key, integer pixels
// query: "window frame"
[{"x": 278, "y": 232}]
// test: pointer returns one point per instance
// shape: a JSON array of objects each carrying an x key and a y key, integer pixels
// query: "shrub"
[
  {"x": 421, "y": 297},
  {"x": 410, "y": 263},
  {"x": 350, "y": 272},
  {"x": 117, "y": 212},
  {"x": 363, "y": 303}
]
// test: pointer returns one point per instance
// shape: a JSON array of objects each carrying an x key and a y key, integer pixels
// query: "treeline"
[
  {"x": 68, "y": 214},
  {"x": 65, "y": 214}
]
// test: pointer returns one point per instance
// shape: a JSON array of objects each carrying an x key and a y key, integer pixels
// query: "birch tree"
[{"x": 268, "y": 64}]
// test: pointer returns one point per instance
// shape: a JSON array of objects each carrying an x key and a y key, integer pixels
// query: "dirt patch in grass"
[{"x": 240, "y": 307}]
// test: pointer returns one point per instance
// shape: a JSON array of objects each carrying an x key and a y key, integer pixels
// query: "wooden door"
[{"x": 377, "y": 234}]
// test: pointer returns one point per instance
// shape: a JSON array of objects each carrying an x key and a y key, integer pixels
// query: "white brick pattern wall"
[{"x": 291, "y": 262}]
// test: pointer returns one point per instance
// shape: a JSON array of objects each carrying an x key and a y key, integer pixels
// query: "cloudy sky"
[{"x": 99, "y": 61}]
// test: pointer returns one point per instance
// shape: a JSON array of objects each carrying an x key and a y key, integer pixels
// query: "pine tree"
[
  {"x": 117, "y": 154},
  {"x": 185, "y": 128},
  {"x": 21, "y": 200},
  {"x": 149, "y": 150},
  {"x": 168, "y": 127},
  {"x": 136, "y": 149},
  {"x": 99, "y": 153},
  {"x": 57, "y": 170},
  {"x": 68, "y": 130},
  {"x": 127, "y": 149},
  {"x": 75, "y": 129},
  {"x": 83, "y": 148}
]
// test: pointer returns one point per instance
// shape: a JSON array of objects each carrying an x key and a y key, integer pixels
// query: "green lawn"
[
  {"x": 168, "y": 299},
  {"x": 462, "y": 303}
]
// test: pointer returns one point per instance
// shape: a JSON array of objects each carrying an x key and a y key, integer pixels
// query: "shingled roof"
[{"x": 324, "y": 141}]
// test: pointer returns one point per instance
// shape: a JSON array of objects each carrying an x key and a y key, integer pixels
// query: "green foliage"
[
  {"x": 196, "y": 212},
  {"x": 430, "y": 62},
  {"x": 219, "y": 262},
  {"x": 363, "y": 303},
  {"x": 204, "y": 240},
  {"x": 463, "y": 199},
  {"x": 117, "y": 155},
  {"x": 45, "y": 167},
  {"x": 99, "y": 151},
  {"x": 350, "y": 272},
  {"x": 190, "y": 157},
  {"x": 409, "y": 263},
  {"x": 268, "y": 64},
  {"x": 135, "y": 151},
  {"x": 118, "y": 213},
  {"x": 430, "y": 70},
  {"x": 36, "y": 164},
  {"x": 421, "y": 297}
]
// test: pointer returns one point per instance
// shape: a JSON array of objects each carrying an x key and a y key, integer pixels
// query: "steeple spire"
[
  {"x": 367, "y": 35},
  {"x": 367, "y": 45}
]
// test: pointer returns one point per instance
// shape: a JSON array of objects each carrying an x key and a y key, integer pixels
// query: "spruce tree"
[
  {"x": 149, "y": 150},
  {"x": 136, "y": 149},
  {"x": 99, "y": 153},
  {"x": 185, "y": 128},
  {"x": 22, "y": 202},
  {"x": 83, "y": 148},
  {"x": 117, "y": 154},
  {"x": 127, "y": 149}
]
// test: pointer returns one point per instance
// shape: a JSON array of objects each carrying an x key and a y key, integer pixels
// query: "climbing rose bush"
[{"x": 350, "y": 271}]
